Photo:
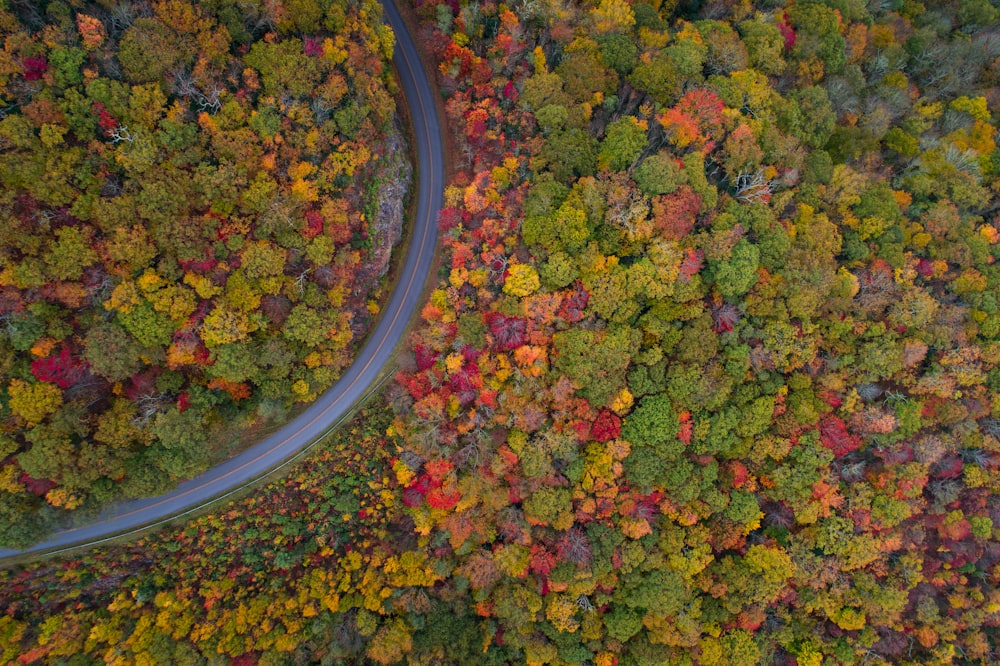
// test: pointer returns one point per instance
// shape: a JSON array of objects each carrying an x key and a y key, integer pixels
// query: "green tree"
[
  {"x": 565, "y": 231},
  {"x": 659, "y": 174},
  {"x": 558, "y": 271},
  {"x": 660, "y": 77},
  {"x": 148, "y": 50},
  {"x": 654, "y": 423},
  {"x": 736, "y": 275},
  {"x": 551, "y": 118},
  {"x": 662, "y": 591},
  {"x": 543, "y": 89},
  {"x": 757, "y": 577},
  {"x": 595, "y": 361},
  {"x": 301, "y": 16},
  {"x": 261, "y": 259},
  {"x": 181, "y": 446},
  {"x": 546, "y": 505},
  {"x": 306, "y": 325},
  {"x": 570, "y": 154},
  {"x": 688, "y": 53},
  {"x": 764, "y": 45},
  {"x": 22, "y": 518},
  {"x": 23, "y": 329},
  {"x": 652, "y": 428},
  {"x": 619, "y": 52},
  {"x": 622, "y": 623},
  {"x": 234, "y": 362},
  {"x": 112, "y": 352},
  {"x": 53, "y": 456},
  {"x": 66, "y": 64},
  {"x": 623, "y": 142},
  {"x": 284, "y": 68},
  {"x": 809, "y": 116},
  {"x": 148, "y": 326}
]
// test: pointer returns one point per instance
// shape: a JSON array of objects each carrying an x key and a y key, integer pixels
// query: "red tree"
[
  {"x": 508, "y": 332},
  {"x": 62, "y": 370},
  {"x": 833, "y": 435},
  {"x": 607, "y": 426}
]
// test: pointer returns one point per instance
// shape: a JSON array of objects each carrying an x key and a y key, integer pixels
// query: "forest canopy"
[
  {"x": 710, "y": 375},
  {"x": 192, "y": 232},
  {"x": 714, "y": 375}
]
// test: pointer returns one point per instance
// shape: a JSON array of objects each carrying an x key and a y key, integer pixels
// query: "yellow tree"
[
  {"x": 613, "y": 16},
  {"x": 33, "y": 402}
]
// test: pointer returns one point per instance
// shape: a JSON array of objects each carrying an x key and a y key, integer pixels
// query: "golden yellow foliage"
[
  {"x": 33, "y": 402},
  {"x": 123, "y": 298},
  {"x": 622, "y": 402},
  {"x": 62, "y": 498},
  {"x": 9, "y": 479},
  {"x": 522, "y": 280},
  {"x": 224, "y": 325},
  {"x": 561, "y": 612},
  {"x": 613, "y": 16}
]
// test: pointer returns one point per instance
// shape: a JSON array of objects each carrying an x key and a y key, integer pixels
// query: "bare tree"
[
  {"x": 121, "y": 134},
  {"x": 752, "y": 187}
]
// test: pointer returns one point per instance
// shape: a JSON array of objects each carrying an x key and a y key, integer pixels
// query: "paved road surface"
[{"x": 279, "y": 447}]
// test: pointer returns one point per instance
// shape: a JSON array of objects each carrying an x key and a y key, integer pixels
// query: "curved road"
[{"x": 298, "y": 434}]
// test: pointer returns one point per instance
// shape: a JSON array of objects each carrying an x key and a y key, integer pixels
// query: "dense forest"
[
  {"x": 193, "y": 226},
  {"x": 710, "y": 375}
]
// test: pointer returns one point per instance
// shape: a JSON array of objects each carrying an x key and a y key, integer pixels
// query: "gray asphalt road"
[{"x": 281, "y": 446}]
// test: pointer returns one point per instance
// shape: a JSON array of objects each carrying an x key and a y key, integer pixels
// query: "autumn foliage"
[
  {"x": 193, "y": 233},
  {"x": 709, "y": 375}
]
